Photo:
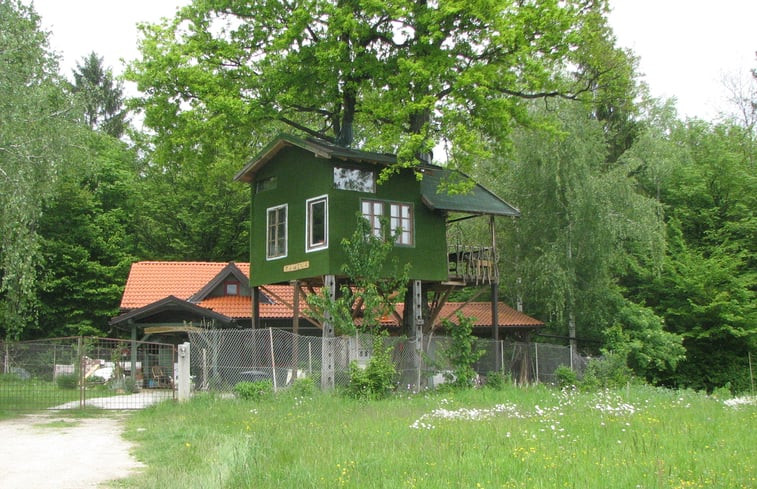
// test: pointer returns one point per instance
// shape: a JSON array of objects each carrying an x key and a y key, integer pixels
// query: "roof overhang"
[
  {"x": 319, "y": 148},
  {"x": 172, "y": 304},
  {"x": 478, "y": 200}
]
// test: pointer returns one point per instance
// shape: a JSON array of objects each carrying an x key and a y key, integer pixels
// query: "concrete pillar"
[
  {"x": 184, "y": 381},
  {"x": 327, "y": 344}
]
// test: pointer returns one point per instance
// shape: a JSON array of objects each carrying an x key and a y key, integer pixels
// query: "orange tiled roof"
[{"x": 151, "y": 281}]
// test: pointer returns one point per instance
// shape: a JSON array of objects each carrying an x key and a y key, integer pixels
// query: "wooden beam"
[
  {"x": 172, "y": 329},
  {"x": 291, "y": 307}
]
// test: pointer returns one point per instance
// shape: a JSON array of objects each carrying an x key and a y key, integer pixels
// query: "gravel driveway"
[{"x": 53, "y": 450}]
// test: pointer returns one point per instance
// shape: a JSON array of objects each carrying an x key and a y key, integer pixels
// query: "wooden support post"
[
  {"x": 295, "y": 325},
  {"x": 255, "y": 307},
  {"x": 134, "y": 352},
  {"x": 495, "y": 324},
  {"x": 327, "y": 348}
]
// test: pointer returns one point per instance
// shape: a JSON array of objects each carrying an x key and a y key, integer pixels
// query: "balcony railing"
[{"x": 472, "y": 264}]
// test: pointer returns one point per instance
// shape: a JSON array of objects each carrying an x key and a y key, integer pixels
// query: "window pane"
[
  {"x": 354, "y": 179},
  {"x": 402, "y": 223},
  {"x": 317, "y": 222},
  {"x": 276, "y": 239}
]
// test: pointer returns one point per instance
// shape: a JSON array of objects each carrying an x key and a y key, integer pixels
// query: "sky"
[{"x": 686, "y": 47}]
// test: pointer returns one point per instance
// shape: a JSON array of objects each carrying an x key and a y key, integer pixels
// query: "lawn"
[{"x": 536, "y": 437}]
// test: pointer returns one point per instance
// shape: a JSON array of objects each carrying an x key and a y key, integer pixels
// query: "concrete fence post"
[{"x": 183, "y": 377}]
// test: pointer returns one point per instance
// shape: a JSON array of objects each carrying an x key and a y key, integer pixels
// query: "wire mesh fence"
[
  {"x": 73, "y": 372},
  {"x": 221, "y": 358}
]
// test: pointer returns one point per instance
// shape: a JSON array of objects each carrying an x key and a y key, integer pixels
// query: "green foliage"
[
  {"x": 587, "y": 223},
  {"x": 373, "y": 287},
  {"x": 462, "y": 353},
  {"x": 566, "y": 376},
  {"x": 254, "y": 391},
  {"x": 36, "y": 139},
  {"x": 303, "y": 387},
  {"x": 378, "y": 379},
  {"x": 102, "y": 97},
  {"x": 705, "y": 291},
  {"x": 608, "y": 372},
  {"x": 638, "y": 335},
  {"x": 348, "y": 72},
  {"x": 67, "y": 381},
  {"x": 497, "y": 381}
]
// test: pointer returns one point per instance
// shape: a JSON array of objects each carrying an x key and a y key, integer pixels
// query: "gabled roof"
[
  {"x": 170, "y": 303},
  {"x": 231, "y": 269},
  {"x": 318, "y": 147},
  {"x": 150, "y": 281},
  {"x": 478, "y": 201}
]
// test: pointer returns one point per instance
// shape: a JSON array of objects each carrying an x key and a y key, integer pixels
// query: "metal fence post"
[{"x": 273, "y": 359}]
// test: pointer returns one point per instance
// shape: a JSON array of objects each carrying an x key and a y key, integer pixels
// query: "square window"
[{"x": 232, "y": 288}]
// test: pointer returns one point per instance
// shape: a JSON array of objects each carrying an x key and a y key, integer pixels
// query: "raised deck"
[{"x": 472, "y": 264}]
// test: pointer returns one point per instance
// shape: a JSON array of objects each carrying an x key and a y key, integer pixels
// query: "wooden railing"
[{"x": 472, "y": 264}]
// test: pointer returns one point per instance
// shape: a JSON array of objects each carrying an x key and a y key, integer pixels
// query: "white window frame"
[
  {"x": 309, "y": 204},
  {"x": 397, "y": 220},
  {"x": 268, "y": 213}
]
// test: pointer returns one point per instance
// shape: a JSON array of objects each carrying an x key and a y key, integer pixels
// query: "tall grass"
[{"x": 640, "y": 437}]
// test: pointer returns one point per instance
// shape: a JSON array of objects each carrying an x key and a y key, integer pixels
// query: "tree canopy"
[{"x": 400, "y": 76}]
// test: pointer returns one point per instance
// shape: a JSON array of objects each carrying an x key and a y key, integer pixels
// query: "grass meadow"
[{"x": 535, "y": 437}]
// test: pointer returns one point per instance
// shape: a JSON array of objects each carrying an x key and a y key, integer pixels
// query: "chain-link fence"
[
  {"x": 222, "y": 358},
  {"x": 64, "y": 373}
]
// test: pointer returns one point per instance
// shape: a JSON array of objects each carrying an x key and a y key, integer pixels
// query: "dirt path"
[{"x": 57, "y": 451}]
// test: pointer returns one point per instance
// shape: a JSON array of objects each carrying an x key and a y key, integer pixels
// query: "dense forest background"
[{"x": 638, "y": 233}]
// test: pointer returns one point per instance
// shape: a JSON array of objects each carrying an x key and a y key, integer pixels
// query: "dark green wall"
[{"x": 300, "y": 176}]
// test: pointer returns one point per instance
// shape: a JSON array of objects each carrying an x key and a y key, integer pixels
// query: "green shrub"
[
  {"x": 496, "y": 380},
  {"x": 304, "y": 387},
  {"x": 461, "y": 353},
  {"x": 67, "y": 381},
  {"x": 254, "y": 391},
  {"x": 606, "y": 372},
  {"x": 565, "y": 376},
  {"x": 376, "y": 380}
]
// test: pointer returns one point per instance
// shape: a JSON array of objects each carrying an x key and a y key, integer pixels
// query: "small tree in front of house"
[
  {"x": 374, "y": 285},
  {"x": 462, "y": 353}
]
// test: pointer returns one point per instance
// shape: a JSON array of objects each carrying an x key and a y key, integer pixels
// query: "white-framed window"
[
  {"x": 317, "y": 223},
  {"x": 373, "y": 210},
  {"x": 354, "y": 179},
  {"x": 401, "y": 223},
  {"x": 276, "y": 232}
]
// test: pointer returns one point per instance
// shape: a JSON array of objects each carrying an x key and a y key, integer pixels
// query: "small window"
[
  {"x": 354, "y": 179},
  {"x": 401, "y": 223},
  {"x": 276, "y": 232},
  {"x": 232, "y": 288},
  {"x": 373, "y": 210},
  {"x": 317, "y": 231},
  {"x": 265, "y": 184}
]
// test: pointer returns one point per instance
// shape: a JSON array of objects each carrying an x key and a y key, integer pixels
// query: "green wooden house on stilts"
[{"x": 305, "y": 195}]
